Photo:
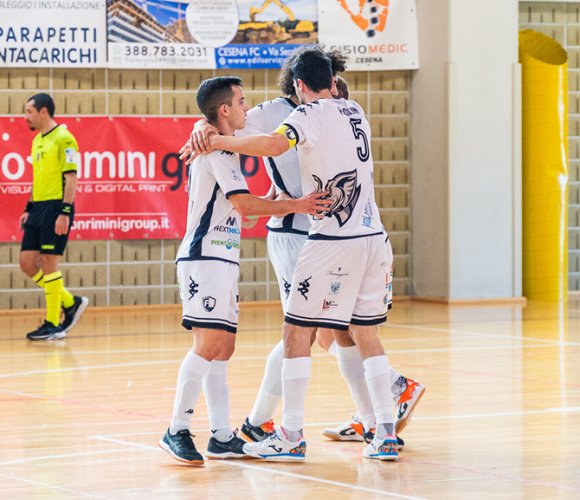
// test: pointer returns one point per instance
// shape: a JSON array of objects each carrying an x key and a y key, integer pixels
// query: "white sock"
[
  {"x": 217, "y": 398},
  {"x": 378, "y": 377},
  {"x": 189, "y": 381},
  {"x": 270, "y": 391},
  {"x": 295, "y": 377},
  {"x": 333, "y": 349},
  {"x": 352, "y": 369}
]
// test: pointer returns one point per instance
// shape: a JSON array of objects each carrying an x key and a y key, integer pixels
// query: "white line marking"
[
  {"x": 64, "y": 455},
  {"x": 49, "y": 486},
  {"x": 272, "y": 471},
  {"x": 257, "y": 358},
  {"x": 483, "y": 334}
]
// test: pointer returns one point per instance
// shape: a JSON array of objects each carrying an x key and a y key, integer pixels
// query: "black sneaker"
[
  {"x": 180, "y": 446},
  {"x": 47, "y": 331},
  {"x": 370, "y": 435},
  {"x": 73, "y": 313},
  {"x": 256, "y": 433},
  {"x": 232, "y": 449}
]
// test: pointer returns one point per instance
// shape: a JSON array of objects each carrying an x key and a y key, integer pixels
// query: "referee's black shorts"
[{"x": 39, "y": 228}]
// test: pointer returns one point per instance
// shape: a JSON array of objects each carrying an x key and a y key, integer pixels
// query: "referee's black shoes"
[
  {"x": 47, "y": 331},
  {"x": 73, "y": 313}
]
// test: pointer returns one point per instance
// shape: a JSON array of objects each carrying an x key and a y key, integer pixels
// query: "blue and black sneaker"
[
  {"x": 180, "y": 446},
  {"x": 73, "y": 313},
  {"x": 230, "y": 449},
  {"x": 47, "y": 331},
  {"x": 256, "y": 433}
]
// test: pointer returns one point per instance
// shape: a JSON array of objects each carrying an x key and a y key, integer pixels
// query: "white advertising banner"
[
  {"x": 374, "y": 34},
  {"x": 53, "y": 33}
]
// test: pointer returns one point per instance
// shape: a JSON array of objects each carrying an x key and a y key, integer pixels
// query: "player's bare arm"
[
  {"x": 198, "y": 141},
  {"x": 272, "y": 145},
  {"x": 313, "y": 204},
  {"x": 63, "y": 220}
]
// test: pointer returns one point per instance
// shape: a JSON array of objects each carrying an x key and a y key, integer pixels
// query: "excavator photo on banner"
[
  {"x": 371, "y": 16},
  {"x": 287, "y": 29}
]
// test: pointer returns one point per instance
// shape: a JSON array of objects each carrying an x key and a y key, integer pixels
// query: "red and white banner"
[{"x": 131, "y": 183}]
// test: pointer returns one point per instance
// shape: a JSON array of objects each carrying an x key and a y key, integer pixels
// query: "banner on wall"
[
  {"x": 374, "y": 34},
  {"x": 208, "y": 34},
  {"x": 53, "y": 33},
  {"x": 131, "y": 183}
]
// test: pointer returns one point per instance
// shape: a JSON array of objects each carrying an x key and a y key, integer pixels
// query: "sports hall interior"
[{"x": 81, "y": 417}]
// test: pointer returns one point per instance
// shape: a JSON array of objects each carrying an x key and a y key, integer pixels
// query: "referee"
[{"x": 48, "y": 216}]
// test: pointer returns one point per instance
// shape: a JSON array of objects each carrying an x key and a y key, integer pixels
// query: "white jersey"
[
  {"x": 334, "y": 149},
  {"x": 213, "y": 224},
  {"x": 284, "y": 170}
]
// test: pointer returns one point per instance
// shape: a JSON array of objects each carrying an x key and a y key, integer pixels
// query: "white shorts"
[
  {"x": 209, "y": 294},
  {"x": 283, "y": 250},
  {"x": 341, "y": 282}
]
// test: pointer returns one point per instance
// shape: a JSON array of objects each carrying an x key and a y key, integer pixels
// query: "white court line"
[
  {"x": 64, "y": 455},
  {"x": 49, "y": 486},
  {"x": 255, "y": 358},
  {"x": 182, "y": 349},
  {"x": 482, "y": 334},
  {"x": 268, "y": 470}
]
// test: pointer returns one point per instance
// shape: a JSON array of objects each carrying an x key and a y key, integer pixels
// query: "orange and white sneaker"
[
  {"x": 349, "y": 431},
  {"x": 407, "y": 402}
]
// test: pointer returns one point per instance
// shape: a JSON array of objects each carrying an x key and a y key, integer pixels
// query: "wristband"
[
  {"x": 28, "y": 207},
  {"x": 66, "y": 209}
]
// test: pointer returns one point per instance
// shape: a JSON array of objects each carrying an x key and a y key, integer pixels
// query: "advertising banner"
[
  {"x": 53, "y": 33},
  {"x": 131, "y": 183},
  {"x": 208, "y": 34},
  {"x": 374, "y": 34}
]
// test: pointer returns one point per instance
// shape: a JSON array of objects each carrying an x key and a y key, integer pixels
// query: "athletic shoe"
[
  {"x": 370, "y": 435},
  {"x": 406, "y": 404},
  {"x": 256, "y": 433},
  {"x": 382, "y": 449},
  {"x": 180, "y": 446},
  {"x": 47, "y": 331},
  {"x": 276, "y": 448},
  {"x": 234, "y": 448},
  {"x": 73, "y": 313},
  {"x": 349, "y": 431}
]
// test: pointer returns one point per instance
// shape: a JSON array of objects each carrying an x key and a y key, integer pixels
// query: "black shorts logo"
[{"x": 209, "y": 303}]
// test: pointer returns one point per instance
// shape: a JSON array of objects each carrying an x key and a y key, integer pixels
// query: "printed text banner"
[
  {"x": 374, "y": 35},
  {"x": 53, "y": 33},
  {"x": 131, "y": 183}
]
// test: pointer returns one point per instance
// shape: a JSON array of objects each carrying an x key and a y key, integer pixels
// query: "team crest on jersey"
[
  {"x": 209, "y": 303},
  {"x": 342, "y": 189}
]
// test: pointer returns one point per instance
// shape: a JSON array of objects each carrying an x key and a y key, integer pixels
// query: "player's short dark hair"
[
  {"x": 214, "y": 92},
  {"x": 314, "y": 68},
  {"x": 341, "y": 87},
  {"x": 43, "y": 101},
  {"x": 286, "y": 77},
  {"x": 337, "y": 61}
]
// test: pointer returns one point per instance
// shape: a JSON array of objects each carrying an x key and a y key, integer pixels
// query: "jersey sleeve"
[
  {"x": 304, "y": 124},
  {"x": 69, "y": 154},
  {"x": 225, "y": 167}
]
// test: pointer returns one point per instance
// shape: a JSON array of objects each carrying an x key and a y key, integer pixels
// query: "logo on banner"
[
  {"x": 370, "y": 17},
  {"x": 209, "y": 303}
]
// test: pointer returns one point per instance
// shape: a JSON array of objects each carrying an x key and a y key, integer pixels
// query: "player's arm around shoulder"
[{"x": 273, "y": 144}]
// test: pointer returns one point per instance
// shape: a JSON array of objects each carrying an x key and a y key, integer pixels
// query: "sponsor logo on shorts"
[
  {"x": 193, "y": 288},
  {"x": 304, "y": 287},
  {"x": 335, "y": 287},
  {"x": 327, "y": 304},
  {"x": 47, "y": 247},
  {"x": 337, "y": 273},
  {"x": 229, "y": 243},
  {"x": 287, "y": 287},
  {"x": 386, "y": 299},
  {"x": 209, "y": 303}
]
